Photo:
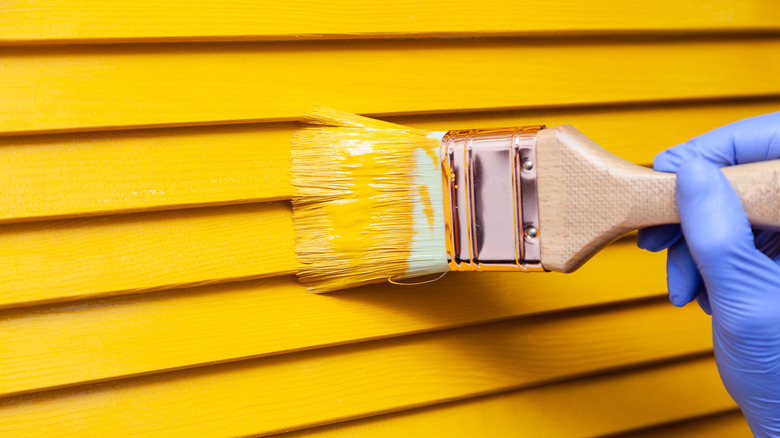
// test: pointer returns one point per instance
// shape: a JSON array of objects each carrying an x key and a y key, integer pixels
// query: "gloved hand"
[{"x": 733, "y": 273}]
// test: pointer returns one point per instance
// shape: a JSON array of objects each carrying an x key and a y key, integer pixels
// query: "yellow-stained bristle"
[
  {"x": 356, "y": 182},
  {"x": 324, "y": 116}
]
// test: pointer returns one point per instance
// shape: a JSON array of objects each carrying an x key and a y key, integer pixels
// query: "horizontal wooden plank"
[
  {"x": 47, "y": 89},
  {"x": 594, "y": 406},
  {"x": 61, "y": 345},
  {"x": 54, "y": 261},
  {"x": 122, "y": 171},
  {"x": 51, "y": 21},
  {"x": 730, "y": 424},
  {"x": 77, "y": 258},
  {"x": 322, "y": 386},
  {"x": 64, "y": 175}
]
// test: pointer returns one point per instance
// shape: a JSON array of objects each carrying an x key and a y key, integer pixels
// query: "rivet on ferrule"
[{"x": 490, "y": 197}]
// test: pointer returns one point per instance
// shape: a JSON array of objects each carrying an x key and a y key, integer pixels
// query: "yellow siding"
[
  {"x": 572, "y": 408},
  {"x": 41, "y": 21},
  {"x": 322, "y": 386},
  {"x": 100, "y": 256},
  {"x": 120, "y": 171},
  {"x": 730, "y": 424},
  {"x": 45, "y": 89},
  {"x": 90, "y": 346},
  {"x": 146, "y": 245}
]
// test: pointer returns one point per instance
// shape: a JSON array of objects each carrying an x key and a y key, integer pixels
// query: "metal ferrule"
[{"x": 490, "y": 199}]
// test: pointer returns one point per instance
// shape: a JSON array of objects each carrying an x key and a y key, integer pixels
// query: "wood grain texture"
[
  {"x": 109, "y": 172},
  {"x": 48, "y": 21},
  {"x": 758, "y": 187},
  {"x": 322, "y": 386},
  {"x": 49, "y": 89},
  {"x": 594, "y": 406},
  {"x": 77, "y": 258},
  {"x": 589, "y": 197},
  {"x": 68, "y": 344},
  {"x": 730, "y": 424}
]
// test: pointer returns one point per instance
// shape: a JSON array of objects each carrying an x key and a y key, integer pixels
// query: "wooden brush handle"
[{"x": 589, "y": 197}]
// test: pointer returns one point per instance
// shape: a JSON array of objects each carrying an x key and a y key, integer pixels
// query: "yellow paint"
[
  {"x": 425, "y": 198},
  {"x": 433, "y": 151},
  {"x": 355, "y": 189},
  {"x": 100, "y": 256},
  {"x": 43, "y": 89},
  {"x": 42, "y": 21},
  {"x": 117, "y": 171},
  {"x": 595, "y": 406},
  {"x": 352, "y": 220},
  {"x": 68, "y": 344},
  {"x": 326, "y": 385}
]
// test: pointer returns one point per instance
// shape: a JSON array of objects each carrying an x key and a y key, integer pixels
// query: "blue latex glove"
[{"x": 732, "y": 272}]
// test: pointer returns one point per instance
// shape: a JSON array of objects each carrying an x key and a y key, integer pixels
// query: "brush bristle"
[{"x": 367, "y": 201}]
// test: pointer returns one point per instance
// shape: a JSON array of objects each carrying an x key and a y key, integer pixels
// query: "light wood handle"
[{"x": 589, "y": 197}]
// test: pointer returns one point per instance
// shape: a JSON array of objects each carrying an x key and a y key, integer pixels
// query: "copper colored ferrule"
[{"x": 490, "y": 199}]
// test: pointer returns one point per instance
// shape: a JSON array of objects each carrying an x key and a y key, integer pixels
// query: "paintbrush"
[{"x": 374, "y": 201}]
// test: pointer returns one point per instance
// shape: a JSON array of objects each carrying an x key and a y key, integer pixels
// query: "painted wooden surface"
[
  {"x": 730, "y": 423},
  {"x": 122, "y": 171},
  {"x": 101, "y": 256},
  {"x": 112, "y": 172},
  {"x": 40, "y": 21},
  {"x": 573, "y": 408},
  {"x": 186, "y": 328},
  {"x": 322, "y": 386},
  {"x": 146, "y": 246},
  {"x": 46, "y": 89}
]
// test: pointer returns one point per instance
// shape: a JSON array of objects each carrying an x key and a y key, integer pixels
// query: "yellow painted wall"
[{"x": 146, "y": 246}]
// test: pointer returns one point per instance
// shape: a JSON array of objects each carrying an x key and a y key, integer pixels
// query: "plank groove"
[
  {"x": 306, "y": 389},
  {"x": 60, "y": 345},
  {"x": 100, "y": 256},
  {"x": 53, "y": 21},
  {"x": 77, "y": 88},
  {"x": 730, "y": 424},
  {"x": 594, "y": 406},
  {"x": 64, "y": 175}
]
